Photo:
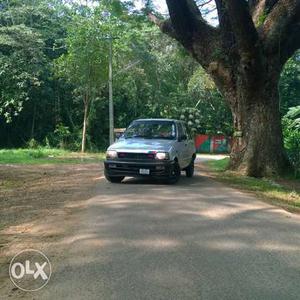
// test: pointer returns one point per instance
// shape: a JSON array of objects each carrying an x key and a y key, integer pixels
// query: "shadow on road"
[
  {"x": 150, "y": 181},
  {"x": 196, "y": 239}
]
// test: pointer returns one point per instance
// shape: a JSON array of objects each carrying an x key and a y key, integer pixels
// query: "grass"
[
  {"x": 47, "y": 156},
  {"x": 218, "y": 165},
  {"x": 265, "y": 188}
]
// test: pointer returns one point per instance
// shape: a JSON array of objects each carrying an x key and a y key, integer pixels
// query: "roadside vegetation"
[
  {"x": 47, "y": 156},
  {"x": 284, "y": 191},
  {"x": 48, "y": 101},
  {"x": 54, "y": 70}
]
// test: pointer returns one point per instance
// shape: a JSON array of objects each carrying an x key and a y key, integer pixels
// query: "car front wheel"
[{"x": 175, "y": 174}]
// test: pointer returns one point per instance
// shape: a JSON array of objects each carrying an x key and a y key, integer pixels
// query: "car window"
[
  {"x": 151, "y": 130},
  {"x": 186, "y": 131},
  {"x": 180, "y": 130},
  {"x": 183, "y": 130}
]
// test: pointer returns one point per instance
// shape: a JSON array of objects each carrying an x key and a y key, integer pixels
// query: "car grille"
[
  {"x": 136, "y": 156},
  {"x": 133, "y": 168}
]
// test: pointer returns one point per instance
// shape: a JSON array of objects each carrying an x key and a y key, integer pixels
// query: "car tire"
[
  {"x": 175, "y": 174},
  {"x": 114, "y": 179},
  {"x": 189, "y": 171}
]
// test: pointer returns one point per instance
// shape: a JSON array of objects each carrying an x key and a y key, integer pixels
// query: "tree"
[
  {"x": 85, "y": 64},
  {"x": 30, "y": 38},
  {"x": 244, "y": 55},
  {"x": 289, "y": 84},
  {"x": 20, "y": 73}
]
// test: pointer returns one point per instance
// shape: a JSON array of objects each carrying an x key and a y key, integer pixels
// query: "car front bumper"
[{"x": 157, "y": 169}]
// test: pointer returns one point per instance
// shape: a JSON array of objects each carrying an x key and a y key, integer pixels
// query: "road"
[{"x": 195, "y": 240}]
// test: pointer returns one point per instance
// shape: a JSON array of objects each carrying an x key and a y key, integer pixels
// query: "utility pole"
[
  {"x": 111, "y": 104},
  {"x": 110, "y": 39}
]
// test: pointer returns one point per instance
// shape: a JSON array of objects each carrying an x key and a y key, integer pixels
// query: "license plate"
[
  {"x": 112, "y": 166},
  {"x": 144, "y": 171}
]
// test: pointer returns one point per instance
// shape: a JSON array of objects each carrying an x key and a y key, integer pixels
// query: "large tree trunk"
[
  {"x": 258, "y": 144},
  {"x": 244, "y": 55}
]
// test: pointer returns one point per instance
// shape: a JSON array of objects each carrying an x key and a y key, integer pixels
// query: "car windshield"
[{"x": 151, "y": 130}]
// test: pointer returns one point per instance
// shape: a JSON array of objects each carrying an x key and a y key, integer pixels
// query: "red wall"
[{"x": 212, "y": 144}]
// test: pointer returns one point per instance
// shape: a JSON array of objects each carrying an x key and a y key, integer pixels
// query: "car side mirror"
[{"x": 182, "y": 138}]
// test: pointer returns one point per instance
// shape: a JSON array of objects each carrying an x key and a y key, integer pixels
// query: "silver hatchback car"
[{"x": 158, "y": 148}]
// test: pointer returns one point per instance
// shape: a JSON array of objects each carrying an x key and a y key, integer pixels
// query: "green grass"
[
  {"x": 218, "y": 165},
  {"x": 46, "y": 156},
  {"x": 265, "y": 188}
]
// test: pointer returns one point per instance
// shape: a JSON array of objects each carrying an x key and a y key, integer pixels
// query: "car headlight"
[
  {"x": 162, "y": 155},
  {"x": 111, "y": 154}
]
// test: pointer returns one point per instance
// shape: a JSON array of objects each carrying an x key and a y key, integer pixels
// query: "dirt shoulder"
[
  {"x": 29, "y": 191},
  {"x": 31, "y": 196}
]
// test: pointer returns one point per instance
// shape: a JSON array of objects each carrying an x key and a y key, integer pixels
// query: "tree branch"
[
  {"x": 260, "y": 8},
  {"x": 164, "y": 25},
  {"x": 202, "y": 4},
  {"x": 228, "y": 39},
  {"x": 186, "y": 20},
  {"x": 242, "y": 25},
  {"x": 279, "y": 23},
  {"x": 201, "y": 40},
  {"x": 188, "y": 27}
]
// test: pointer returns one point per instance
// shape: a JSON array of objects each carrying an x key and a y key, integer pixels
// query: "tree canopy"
[{"x": 54, "y": 53}]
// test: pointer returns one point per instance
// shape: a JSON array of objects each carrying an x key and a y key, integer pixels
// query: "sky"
[{"x": 161, "y": 6}]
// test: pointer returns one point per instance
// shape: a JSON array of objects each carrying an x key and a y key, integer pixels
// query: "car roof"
[{"x": 159, "y": 119}]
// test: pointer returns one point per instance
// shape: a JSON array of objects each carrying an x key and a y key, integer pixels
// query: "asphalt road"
[{"x": 195, "y": 240}]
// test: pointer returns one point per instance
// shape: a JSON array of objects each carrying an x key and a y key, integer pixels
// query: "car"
[{"x": 155, "y": 148}]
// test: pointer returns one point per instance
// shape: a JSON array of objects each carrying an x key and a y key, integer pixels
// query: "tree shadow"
[{"x": 194, "y": 240}]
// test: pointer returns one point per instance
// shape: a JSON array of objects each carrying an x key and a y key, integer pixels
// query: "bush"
[
  {"x": 291, "y": 131},
  {"x": 32, "y": 144},
  {"x": 62, "y": 134},
  {"x": 36, "y": 153},
  {"x": 63, "y": 138}
]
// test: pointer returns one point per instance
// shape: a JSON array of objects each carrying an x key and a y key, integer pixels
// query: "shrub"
[
  {"x": 291, "y": 131},
  {"x": 32, "y": 144},
  {"x": 62, "y": 134},
  {"x": 36, "y": 153}
]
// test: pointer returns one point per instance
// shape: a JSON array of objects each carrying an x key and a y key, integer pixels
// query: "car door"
[
  {"x": 182, "y": 146},
  {"x": 188, "y": 145},
  {"x": 190, "y": 149}
]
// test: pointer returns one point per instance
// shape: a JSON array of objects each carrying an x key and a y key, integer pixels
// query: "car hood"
[{"x": 139, "y": 145}]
